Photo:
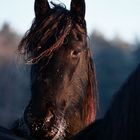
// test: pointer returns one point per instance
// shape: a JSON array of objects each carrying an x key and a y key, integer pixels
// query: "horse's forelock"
[{"x": 51, "y": 31}]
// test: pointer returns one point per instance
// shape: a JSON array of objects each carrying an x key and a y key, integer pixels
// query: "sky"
[{"x": 110, "y": 17}]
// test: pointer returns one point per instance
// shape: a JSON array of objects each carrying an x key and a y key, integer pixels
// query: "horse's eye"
[{"x": 75, "y": 53}]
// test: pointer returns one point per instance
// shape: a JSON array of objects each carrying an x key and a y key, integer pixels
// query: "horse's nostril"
[
  {"x": 64, "y": 103},
  {"x": 49, "y": 116}
]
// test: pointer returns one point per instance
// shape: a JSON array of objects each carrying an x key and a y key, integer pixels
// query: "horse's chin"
[
  {"x": 50, "y": 130},
  {"x": 56, "y": 130}
]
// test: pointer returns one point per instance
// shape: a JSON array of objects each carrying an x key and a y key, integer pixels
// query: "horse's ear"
[
  {"x": 78, "y": 8},
  {"x": 41, "y": 8}
]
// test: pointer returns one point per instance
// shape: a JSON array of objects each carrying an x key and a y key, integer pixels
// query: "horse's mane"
[
  {"x": 51, "y": 31},
  {"x": 124, "y": 113}
]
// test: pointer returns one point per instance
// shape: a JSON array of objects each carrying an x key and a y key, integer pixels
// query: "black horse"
[
  {"x": 63, "y": 83},
  {"x": 122, "y": 121}
]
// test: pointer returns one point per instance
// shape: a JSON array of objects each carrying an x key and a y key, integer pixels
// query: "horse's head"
[{"x": 62, "y": 75}]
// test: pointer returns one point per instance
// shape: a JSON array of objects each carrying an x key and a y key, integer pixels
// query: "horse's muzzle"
[{"x": 52, "y": 127}]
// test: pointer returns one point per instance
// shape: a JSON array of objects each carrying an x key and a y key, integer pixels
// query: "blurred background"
[{"x": 113, "y": 28}]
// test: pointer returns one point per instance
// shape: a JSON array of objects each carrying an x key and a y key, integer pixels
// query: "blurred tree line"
[
  {"x": 114, "y": 60},
  {"x": 14, "y": 78}
]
